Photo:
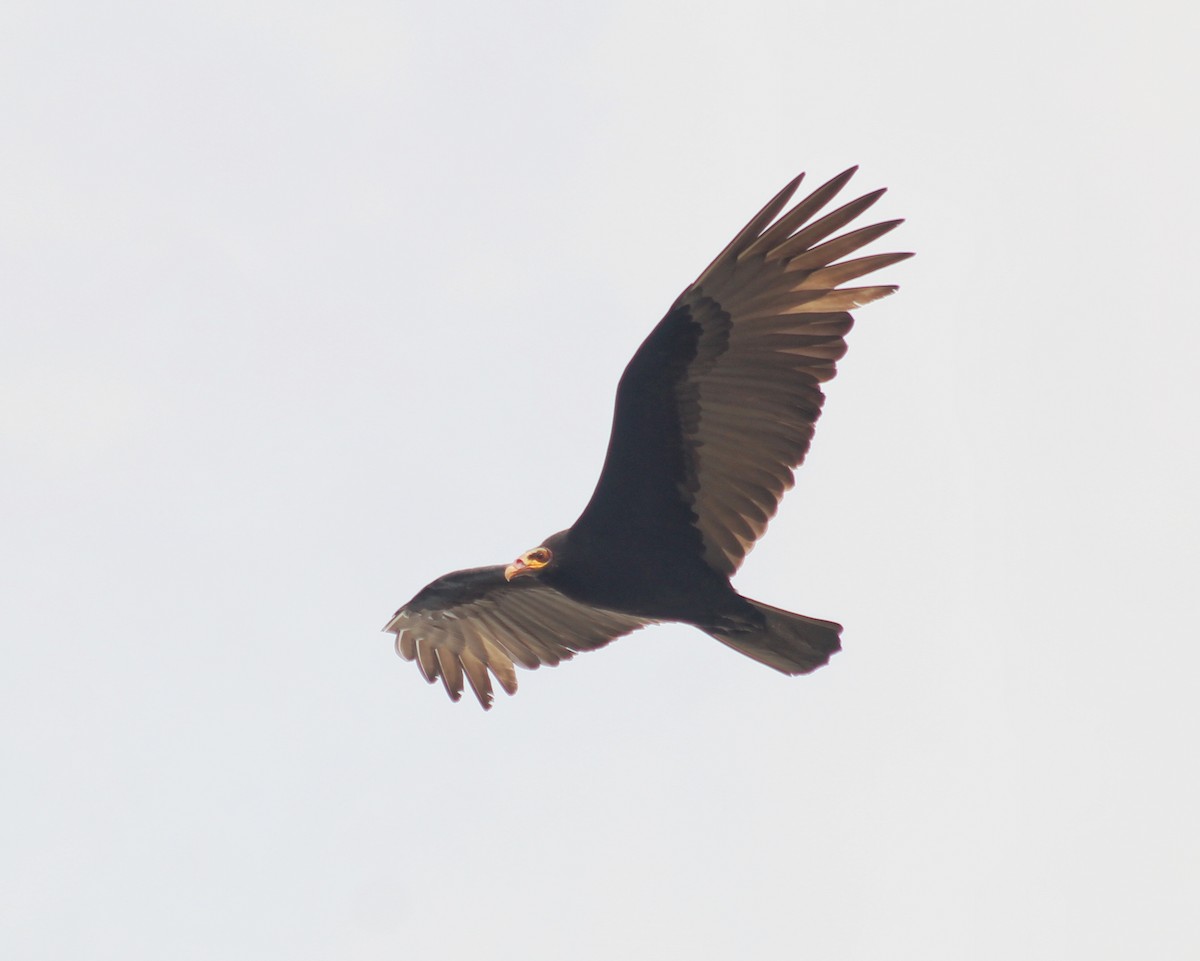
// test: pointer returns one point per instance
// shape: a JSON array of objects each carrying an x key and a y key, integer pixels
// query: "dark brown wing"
[
  {"x": 717, "y": 406},
  {"x": 468, "y": 623}
]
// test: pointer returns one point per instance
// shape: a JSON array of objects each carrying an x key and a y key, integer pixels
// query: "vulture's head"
[
  {"x": 529, "y": 563},
  {"x": 546, "y": 557}
]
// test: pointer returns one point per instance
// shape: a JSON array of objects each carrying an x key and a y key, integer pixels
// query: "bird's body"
[
  {"x": 659, "y": 581},
  {"x": 713, "y": 413}
]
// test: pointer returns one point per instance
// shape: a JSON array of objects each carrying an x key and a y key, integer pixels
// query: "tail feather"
[{"x": 791, "y": 643}]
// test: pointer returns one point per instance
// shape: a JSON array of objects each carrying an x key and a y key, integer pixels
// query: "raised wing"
[
  {"x": 717, "y": 407},
  {"x": 469, "y": 623}
]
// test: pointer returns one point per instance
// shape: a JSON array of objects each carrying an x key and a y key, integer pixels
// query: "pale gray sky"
[{"x": 305, "y": 304}]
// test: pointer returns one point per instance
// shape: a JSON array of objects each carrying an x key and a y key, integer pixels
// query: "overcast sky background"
[{"x": 305, "y": 304}]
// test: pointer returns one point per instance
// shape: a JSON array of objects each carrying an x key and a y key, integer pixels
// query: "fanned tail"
[{"x": 791, "y": 643}]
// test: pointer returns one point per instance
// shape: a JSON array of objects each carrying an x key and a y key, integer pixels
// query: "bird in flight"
[{"x": 713, "y": 413}]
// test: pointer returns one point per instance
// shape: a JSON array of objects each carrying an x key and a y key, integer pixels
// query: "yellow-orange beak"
[{"x": 516, "y": 569}]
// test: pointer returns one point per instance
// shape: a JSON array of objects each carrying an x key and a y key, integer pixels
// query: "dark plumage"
[{"x": 713, "y": 413}]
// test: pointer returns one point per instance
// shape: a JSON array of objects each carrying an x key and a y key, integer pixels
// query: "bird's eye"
[{"x": 540, "y": 556}]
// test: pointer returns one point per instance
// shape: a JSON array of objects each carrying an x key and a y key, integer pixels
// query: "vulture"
[{"x": 713, "y": 413}]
